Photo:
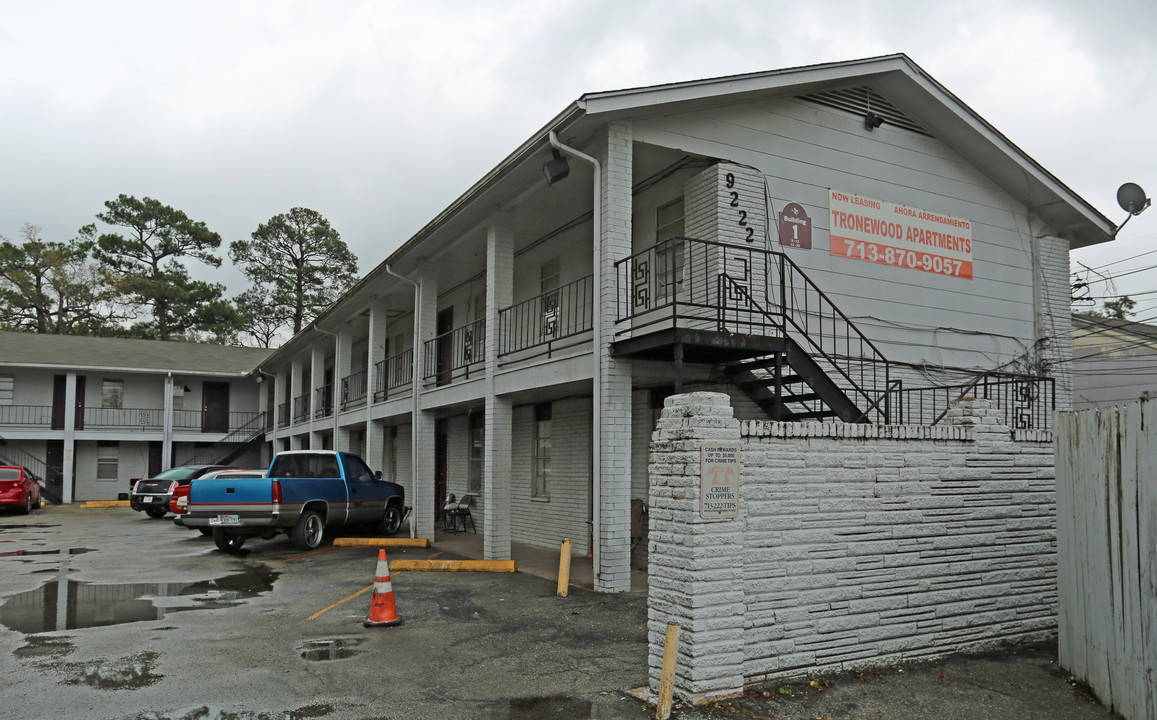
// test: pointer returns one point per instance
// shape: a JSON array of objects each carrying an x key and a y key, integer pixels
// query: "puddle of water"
[
  {"x": 44, "y": 646},
  {"x": 130, "y": 673},
  {"x": 67, "y": 604},
  {"x": 216, "y": 712},
  {"x": 332, "y": 649},
  {"x": 23, "y": 553},
  {"x": 557, "y": 708}
]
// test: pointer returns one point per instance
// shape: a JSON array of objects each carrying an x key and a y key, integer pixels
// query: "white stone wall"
[{"x": 857, "y": 545}]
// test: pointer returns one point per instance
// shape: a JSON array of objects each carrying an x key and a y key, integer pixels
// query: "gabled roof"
[
  {"x": 907, "y": 88},
  {"x": 70, "y": 352}
]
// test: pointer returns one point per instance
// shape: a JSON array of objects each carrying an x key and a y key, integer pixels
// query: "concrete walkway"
[{"x": 531, "y": 559}]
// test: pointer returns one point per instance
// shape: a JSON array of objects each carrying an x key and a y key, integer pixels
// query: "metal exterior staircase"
[{"x": 233, "y": 445}]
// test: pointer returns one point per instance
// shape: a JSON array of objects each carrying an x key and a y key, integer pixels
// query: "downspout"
[
  {"x": 272, "y": 425},
  {"x": 336, "y": 365},
  {"x": 596, "y": 384},
  {"x": 414, "y": 385}
]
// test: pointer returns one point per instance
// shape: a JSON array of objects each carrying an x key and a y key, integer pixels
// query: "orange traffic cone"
[{"x": 382, "y": 610}]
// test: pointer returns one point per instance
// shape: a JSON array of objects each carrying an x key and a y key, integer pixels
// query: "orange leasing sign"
[{"x": 889, "y": 234}]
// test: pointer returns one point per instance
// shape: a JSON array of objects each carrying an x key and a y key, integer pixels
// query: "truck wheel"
[
  {"x": 308, "y": 531},
  {"x": 156, "y": 513},
  {"x": 227, "y": 542},
  {"x": 392, "y": 520}
]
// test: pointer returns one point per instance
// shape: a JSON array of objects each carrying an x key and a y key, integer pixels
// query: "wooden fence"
[{"x": 1107, "y": 553}]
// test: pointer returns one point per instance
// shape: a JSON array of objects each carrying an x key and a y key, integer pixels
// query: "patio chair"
[
  {"x": 459, "y": 515},
  {"x": 450, "y": 503}
]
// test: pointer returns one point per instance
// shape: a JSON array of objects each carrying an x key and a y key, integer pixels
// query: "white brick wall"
[
  {"x": 546, "y": 522},
  {"x": 857, "y": 544}
]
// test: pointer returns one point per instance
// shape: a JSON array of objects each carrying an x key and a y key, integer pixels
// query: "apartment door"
[
  {"x": 156, "y": 453},
  {"x": 215, "y": 407},
  {"x": 60, "y": 397},
  {"x": 445, "y": 346},
  {"x": 441, "y": 464},
  {"x": 54, "y": 459}
]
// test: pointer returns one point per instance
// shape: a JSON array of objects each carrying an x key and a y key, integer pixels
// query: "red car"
[{"x": 19, "y": 488}]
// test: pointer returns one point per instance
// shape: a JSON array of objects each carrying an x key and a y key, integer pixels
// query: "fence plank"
[{"x": 1147, "y": 560}]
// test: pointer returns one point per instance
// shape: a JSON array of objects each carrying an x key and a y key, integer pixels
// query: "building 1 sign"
[
  {"x": 719, "y": 481},
  {"x": 795, "y": 227},
  {"x": 889, "y": 234}
]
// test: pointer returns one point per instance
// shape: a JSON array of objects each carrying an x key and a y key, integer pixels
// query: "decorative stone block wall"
[{"x": 854, "y": 545}]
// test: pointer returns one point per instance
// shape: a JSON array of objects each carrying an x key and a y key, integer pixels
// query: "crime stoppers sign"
[
  {"x": 719, "y": 481},
  {"x": 889, "y": 234}
]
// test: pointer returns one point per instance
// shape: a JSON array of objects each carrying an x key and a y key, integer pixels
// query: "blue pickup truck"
[{"x": 304, "y": 492}]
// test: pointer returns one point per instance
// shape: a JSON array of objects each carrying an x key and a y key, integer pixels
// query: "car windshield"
[
  {"x": 177, "y": 473},
  {"x": 9, "y": 474}
]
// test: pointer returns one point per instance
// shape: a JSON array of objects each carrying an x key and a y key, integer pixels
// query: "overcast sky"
[{"x": 379, "y": 114}]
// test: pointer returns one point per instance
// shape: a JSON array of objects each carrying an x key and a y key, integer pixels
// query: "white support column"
[
  {"x": 69, "y": 468},
  {"x": 296, "y": 373},
  {"x": 498, "y": 422},
  {"x": 422, "y": 515},
  {"x": 375, "y": 377},
  {"x": 614, "y": 419},
  {"x": 316, "y": 381},
  {"x": 342, "y": 367},
  {"x": 167, "y": 425}
]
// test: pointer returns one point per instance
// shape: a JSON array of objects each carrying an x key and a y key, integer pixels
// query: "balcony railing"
[
  {"x": 283, "y": 414},
  {"x": 1025, "y": 401},
  {"x": 393, "y": 373},
  {"x": 323, "y": 401},
  {"x": 37, "y": 415},
  {"x": 301, "y": 408},
  {"x": 195, "y": 420},
  {"x": 548, "y": 319},
  {"x": 452, "y": 355},
  {"x": 744, "y": 290},
  {"x": 353, "y": 390}
]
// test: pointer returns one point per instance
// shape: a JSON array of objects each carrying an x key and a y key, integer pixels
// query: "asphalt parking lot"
[{"x": 106, "y": 614}]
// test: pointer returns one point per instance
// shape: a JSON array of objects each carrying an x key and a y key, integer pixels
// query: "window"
[
  {"x": 107, "y": 460},
  {"x": 477, "y": 445},
  {"x": 7, "y": 389},
  {"x": 356, "y": 470},
  {"x": 112, "y": 394},
  {"x": 542, "y": 430},
  {"x": 178, "y": 397}
]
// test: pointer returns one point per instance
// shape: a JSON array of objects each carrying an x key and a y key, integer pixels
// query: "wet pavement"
[{"x": 97, "y": 615}]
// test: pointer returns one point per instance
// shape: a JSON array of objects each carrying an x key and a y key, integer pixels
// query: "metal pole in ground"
[
  {"x": 564, "y": 567},
  {"x": 667, "y": 674}
]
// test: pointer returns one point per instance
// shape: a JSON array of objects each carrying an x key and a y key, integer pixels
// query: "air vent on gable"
[{"x": 860, "y": 101}]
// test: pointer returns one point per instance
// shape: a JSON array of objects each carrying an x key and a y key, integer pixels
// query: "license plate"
[
  {"x": 225, "y": 520},
  {"x": 147, "y": 499}
]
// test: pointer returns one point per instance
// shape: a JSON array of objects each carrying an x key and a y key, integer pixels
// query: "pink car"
[{"x": 19, "y": 488}]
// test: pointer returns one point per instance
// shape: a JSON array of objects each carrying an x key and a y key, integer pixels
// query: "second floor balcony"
[{"x": 145, "y": 419}]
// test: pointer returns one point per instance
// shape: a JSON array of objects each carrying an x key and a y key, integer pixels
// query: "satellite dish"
[{"x": 1132, "y": 198}]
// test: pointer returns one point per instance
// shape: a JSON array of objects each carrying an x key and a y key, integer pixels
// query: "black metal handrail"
[
  {"x": 452, "y": 355},
  {"x": 353, "y": 389},
  {"x": 38, "y": 415},
  {"x": 687, "y": 282},
  {"x": 194, "y": 419},
  {"x": 323, "y": 401},
  {"x": 1026, "y": 402},
  {"x": 220, "y": 451},
  {"x": 301, "y": 407},
  {"x": 393, "y": 373},
  {"x": 548, "y": 318}
]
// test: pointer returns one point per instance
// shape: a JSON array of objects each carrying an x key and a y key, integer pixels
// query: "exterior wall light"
[{"x": 556, "y": 168}]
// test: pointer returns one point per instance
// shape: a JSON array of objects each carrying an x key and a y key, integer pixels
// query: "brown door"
[
  {"x": 60, "y": 397},
  {"x": 78, "y": 423},
  {"x": 215, "y": 407},
  {"x": 441, "y": 447},
  {"x": 59, "y": 388},
  {"x": 156, "y": 450},
  {"x": 54, "y": 476},
  {"x": 445, "y": 346}
]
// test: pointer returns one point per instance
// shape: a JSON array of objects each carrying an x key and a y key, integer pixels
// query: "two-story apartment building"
[
  {"x": 88, "y": 414},
  {"x": 846, "y": 241}
]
